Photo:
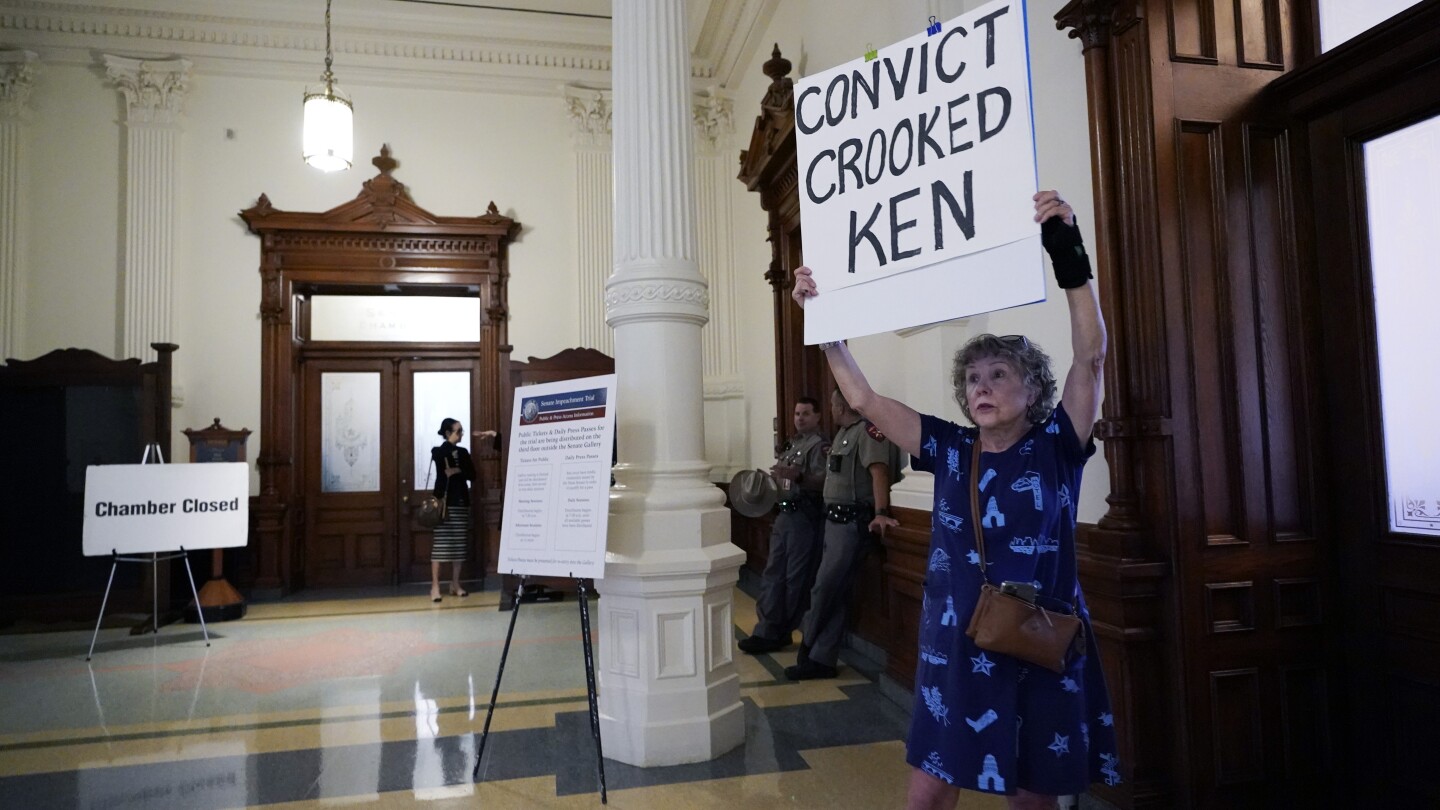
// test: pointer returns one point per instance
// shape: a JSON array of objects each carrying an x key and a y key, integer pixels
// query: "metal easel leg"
[
  {"x": 155, "y": 593},
  {"x": 504, "y": 653},
  {"x": 590, "y": 684},
  {"x": 199, "y": 611},
  {"x": 103, "y": 602}
]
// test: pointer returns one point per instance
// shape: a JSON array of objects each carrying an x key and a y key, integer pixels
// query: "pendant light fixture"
[{"x": 328, "y": 141}]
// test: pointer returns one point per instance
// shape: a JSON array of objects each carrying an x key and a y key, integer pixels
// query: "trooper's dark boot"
[
  {"x": 810, "y": 670},
  {"x": 759, "y": 645}
]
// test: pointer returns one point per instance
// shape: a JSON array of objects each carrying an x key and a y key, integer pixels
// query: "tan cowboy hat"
[{"x": 752, "y": 493}]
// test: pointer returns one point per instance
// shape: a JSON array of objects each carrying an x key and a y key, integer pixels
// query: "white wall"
[
  {"x": 819, "y": 34},
  {"x": 74, "y": 152},
  {"x": 457, "y": 152}
]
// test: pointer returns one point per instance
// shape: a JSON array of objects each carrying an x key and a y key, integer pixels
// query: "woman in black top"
[{"x": 453, "y": 473}]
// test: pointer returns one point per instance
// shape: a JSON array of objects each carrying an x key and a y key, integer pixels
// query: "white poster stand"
[
  {"x": 158, "y": 511},
  {"x": 557, "y": 510}
]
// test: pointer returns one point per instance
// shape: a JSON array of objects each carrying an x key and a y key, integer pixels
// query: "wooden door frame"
[{"x": 381, "y": 241}]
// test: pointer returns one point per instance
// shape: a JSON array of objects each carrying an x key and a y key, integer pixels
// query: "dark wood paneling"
[
  {"x": 907, "y": 553},
  {"x": 1257, "y": 34},
  {"x": 1305, "y": 709},
  {"x": 1201, "y": 599},
  {"x": 1277, "y": 296},
  {"x": 1230, "y": 606},
  {"x": 1299, "y": 602},
  {"x": 1200, "y": 161},
  {"x": 62, "y": 412},
  {"x": 1415, "y": 709},
  {"x": 1192, "y": 30},
  {"x": 1238, "y": 734}
]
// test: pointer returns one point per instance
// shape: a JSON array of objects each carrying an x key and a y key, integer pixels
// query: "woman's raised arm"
[
  {"x": 1084, "y": 381},
  {"x": 898, "y": 421}
]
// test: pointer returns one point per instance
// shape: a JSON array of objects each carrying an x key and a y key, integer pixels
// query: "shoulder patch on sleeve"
[{"x": 874, "y": 432}]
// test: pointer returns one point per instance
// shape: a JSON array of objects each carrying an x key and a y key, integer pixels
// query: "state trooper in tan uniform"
[
  {"x": 795, "y": 538},
  {"x": 860, "y": 470}
]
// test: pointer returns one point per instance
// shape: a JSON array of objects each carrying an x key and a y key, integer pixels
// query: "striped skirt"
[{"x": 452, "y": 536}]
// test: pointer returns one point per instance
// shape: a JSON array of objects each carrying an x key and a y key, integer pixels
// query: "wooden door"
[
  {"x": 430, "y": 391},
  {"x": 1372, "y": 123},
  {"x": 350, "y": 472},
  {"x": 370, "y": 423}
]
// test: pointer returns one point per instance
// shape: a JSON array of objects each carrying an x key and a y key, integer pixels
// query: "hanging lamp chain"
[{"x": 329, "y": 77}]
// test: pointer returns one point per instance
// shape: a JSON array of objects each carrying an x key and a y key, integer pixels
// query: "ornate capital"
[
  {"x": 154, "y": 91},
  {"x": 656, "y": 299},
  {"x": 714, "y": 115},
  {"x": 1092, "y": 21},
  {"x": 589, "y": 112},
  {"x": 17, "y": 71}
]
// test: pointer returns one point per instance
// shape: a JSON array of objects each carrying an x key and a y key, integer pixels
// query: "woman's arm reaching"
[{"x": 898, "y": 421}]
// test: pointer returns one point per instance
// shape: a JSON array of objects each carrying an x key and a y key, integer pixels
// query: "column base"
[{"x": 669, "y": 691}]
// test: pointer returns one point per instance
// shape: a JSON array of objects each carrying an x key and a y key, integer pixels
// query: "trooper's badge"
[{"x": 874, "y": 432}]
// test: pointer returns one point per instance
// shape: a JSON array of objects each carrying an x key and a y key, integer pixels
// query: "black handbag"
[{"x": 431, "y": 510}]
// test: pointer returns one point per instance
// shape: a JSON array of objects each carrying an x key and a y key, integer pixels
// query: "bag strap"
[
  {"x": 975, "y": 503},
  {"x": 980, "y": 537},
  {"x": 428, "y": 468}
]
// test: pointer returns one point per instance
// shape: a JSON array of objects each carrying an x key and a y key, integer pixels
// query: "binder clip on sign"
[
  {"x": 870, "y": 53},
  {"x": 933, "y": 28}
]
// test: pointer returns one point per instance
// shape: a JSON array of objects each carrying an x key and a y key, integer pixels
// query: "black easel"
[
  {"x": 582, "y": 592},
  {"x": 154, "y": 559}
]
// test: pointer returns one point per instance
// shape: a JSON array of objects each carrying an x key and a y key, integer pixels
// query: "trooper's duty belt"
[
  {"x": 849, "y": 512},
  {"x": 789, "y": 506}
]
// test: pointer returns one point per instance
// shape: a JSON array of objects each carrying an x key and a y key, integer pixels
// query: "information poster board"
[
  {"x": 557, "y": 483},
  {"x": 917, "y": 169},
  {"x": 152, "y": 508}
]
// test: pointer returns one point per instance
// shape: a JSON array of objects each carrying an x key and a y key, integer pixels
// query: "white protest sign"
[
  {"x": 922, "y": 159},
  {"x": 145, "y": 508},
  {"x": 557, "y": 483}
]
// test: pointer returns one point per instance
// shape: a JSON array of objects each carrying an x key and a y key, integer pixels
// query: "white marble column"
[
  {"x": 154, "y": 92},
  {"x": 589, "y": 112},
  {"x": 17, "y": 73},
  {"x": 669, "y": 692}
]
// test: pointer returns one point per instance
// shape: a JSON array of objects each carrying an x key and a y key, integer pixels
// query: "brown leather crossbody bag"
[{"x": 1007, "y": 624}]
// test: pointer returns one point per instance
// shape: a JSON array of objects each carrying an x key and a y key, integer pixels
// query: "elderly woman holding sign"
[{"x": 999, "y": 708}]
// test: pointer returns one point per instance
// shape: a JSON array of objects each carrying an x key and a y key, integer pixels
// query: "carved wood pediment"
[
  {"x": 383, "y": 204},
  {"x": 774, "y": 132}
]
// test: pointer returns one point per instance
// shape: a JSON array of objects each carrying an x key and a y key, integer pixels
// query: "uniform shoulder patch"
[{"x": 874, "y": 432}]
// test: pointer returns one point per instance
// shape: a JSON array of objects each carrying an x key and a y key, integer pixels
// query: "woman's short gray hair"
[{"x": 1028, "y": 359}]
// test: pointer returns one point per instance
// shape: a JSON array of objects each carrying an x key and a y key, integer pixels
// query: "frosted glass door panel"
[
  {"x": 1401, "y": 175},
  {"x": 350, "y": 432},
  {"x": 409, "y": 318},
  {"x": 439, "y": 395}
]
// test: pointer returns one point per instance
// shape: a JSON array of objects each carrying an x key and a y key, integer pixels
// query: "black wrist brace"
[{"x": 1067, "y": 252}]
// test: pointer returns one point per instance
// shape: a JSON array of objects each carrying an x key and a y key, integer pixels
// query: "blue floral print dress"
[{"x": 982, "y": 720}]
